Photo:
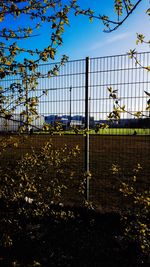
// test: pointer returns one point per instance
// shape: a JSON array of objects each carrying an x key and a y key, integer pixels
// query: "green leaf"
[
  {"x": 148, "y": 11},
  {"x": 110, "y": 89},
  {"x": 138, "y": 114},
  {"x": 91, "y": 19},
  {"x": 147, "y": 93}
]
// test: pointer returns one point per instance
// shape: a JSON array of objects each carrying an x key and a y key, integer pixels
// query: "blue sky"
[{"x": 82, "y": 38}]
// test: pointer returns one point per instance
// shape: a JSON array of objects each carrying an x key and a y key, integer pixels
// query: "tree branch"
[{"x": 126, "y": 17}]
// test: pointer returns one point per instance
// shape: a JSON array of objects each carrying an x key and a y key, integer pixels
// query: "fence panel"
[
  {"x": 65, "y": 103},
  {"x": 78, "y": 98},
  {"x": 126, "y": 142}
]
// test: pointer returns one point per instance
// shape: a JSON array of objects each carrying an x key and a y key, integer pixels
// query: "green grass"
[
  {"x": 108, "y": 131},
  {"x": 114, "y": 131},
  {"x": 123, "y": 131}
]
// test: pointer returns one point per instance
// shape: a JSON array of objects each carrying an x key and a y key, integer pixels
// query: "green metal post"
[{"x": 87, "y": 128}]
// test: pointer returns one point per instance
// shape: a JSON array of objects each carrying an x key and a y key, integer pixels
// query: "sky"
[{"x": 83, "y": 38}]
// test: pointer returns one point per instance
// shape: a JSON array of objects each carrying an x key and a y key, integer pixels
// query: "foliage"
[
  {"x": 135, "y": 219},
  {"x": 118, "y": 109},
  {"x": 141, "y": 39},
  {"x": 101, "y": 126},
  {"x": 113, "y": 94},
  {"x": 38, "y": 178},
  {"x": 35, "y": 184}
]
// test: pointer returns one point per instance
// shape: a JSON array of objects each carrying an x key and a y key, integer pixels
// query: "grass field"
[
  {"x": 110, "y": 131},
  {"x": 123, "y": 131},
  {"x": 105, "y": 150}
]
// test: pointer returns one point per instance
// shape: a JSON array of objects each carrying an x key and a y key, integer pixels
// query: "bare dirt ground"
[
  {"x": 91, "y": 237},
  {"x": 125, "y": 151}
]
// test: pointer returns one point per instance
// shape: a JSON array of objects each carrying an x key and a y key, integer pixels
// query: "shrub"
[
  {"x": 33, "y": 185},
  {"x": 136, "y": 217}
]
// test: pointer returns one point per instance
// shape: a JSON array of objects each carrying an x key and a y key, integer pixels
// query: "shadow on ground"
[{"x": 86, "y": 239}]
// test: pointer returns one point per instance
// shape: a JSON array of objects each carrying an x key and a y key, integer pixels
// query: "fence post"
[
  {"x": 26, "y": 96},
  {"x": 70, "y": 104},
  {"x": 86, "y": 156}
]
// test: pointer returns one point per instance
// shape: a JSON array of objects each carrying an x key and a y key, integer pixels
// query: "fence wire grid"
[{"x": 78, "y": 97}]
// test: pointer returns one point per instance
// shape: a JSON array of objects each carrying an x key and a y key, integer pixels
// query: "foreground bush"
[
  {"x": 136, "y": 218},
  {"x": 32, "y": 185}
]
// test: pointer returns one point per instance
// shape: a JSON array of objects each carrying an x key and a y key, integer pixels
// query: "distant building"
[
  {"x": 16, "y": 121},
  {"x": 51, "y": 119},
  {"x": 10, "y": 125}
]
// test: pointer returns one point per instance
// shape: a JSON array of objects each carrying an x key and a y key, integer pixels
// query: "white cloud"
[{"x": 110, "y": 40}]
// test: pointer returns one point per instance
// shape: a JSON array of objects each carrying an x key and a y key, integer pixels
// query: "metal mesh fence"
[
  {"x": 78, "y": 98},
  {"x": 122, "y": 74},
  {"x": 126, "y": 142},
  {"x": 68, "y": 88}
]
